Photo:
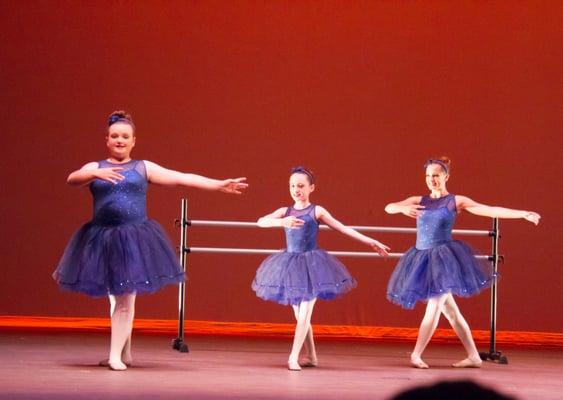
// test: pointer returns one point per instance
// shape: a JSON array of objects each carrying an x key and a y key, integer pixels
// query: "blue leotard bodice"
[
  {"x": 122, "y": 202},
  {"x": 303, "y": 238},
  {"x": 434, "y": 226}
]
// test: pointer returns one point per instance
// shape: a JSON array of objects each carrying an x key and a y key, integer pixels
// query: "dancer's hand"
[
  {"x": 109, "y": 174},
  {"x": 380, "y": 248},
  {"x": 292, "y": 222},
  {"x": 533, "y": 217},
  {"x": 412, "y": 210},
  {"x": 234, "y": 186}
]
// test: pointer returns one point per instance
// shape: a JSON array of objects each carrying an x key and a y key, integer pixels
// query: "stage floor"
[{"x": 62, "y": 365}]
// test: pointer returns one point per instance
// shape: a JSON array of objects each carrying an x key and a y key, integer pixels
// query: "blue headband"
[
  {"x": 117, "y": 118},
  {"x": 303, "y": 170},
  {"x": 440, "y": 163}
]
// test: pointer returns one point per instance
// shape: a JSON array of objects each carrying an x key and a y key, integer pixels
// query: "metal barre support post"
[
  {"x": 179, "y": 343},
  {"x": 494, "y": 234},
  {"x": 493, "y": 354}
]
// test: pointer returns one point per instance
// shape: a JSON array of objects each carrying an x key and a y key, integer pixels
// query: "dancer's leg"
[
  {"x": 126, "y": 356},
  {"x": 310, "y": 359},
  {"x": 461, "y": 328},
  {"x": 304, "y": 312},
  {"x": 427, "y": 328},
  {"x": 121, "y": 327}
]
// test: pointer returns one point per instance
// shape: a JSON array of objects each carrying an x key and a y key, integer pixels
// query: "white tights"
[
  {"x": 444, "y": 304},
  {"x": 122, "y": 313},
  {"x": 303, "y": 332}
]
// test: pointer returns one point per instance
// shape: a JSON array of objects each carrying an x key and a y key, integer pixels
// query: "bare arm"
[
  {"x": 410, "y": 207},
  {"x": 163, "y": 176},
  {"x": 324, "y": 216},
  {"x": 465, "y": 203},
  {"x": 90, "y": 172},
  {"x": 277, "y": 219}
]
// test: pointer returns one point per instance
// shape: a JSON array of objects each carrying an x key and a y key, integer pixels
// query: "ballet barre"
[
  {"x": 184, "y": 223},
  {"x": 385, "y": 229},
  {"x": 365, "y": 254}
]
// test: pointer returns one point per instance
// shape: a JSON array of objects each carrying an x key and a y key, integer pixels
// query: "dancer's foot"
[
  {"x": 293, "y": 366},
  {"x": 309, "y": 362},
  {"x": 117, "y": 366},
  {"x": 127, "y": 358},
  {"x": 105, "y": 363},
  {"x": 468, "y": 363},
  {"x": 416, "y": 362}
]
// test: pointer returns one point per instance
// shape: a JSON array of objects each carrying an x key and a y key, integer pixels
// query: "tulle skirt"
[
  {"x": 133, "y": 257},
  {"x": 447, "y": 268},
  {"x": 290, "y": 278}
]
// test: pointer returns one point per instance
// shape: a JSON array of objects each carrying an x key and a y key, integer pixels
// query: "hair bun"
[
  {"x": 445, "y": 160},
  {"x": 120, "y": 115}
]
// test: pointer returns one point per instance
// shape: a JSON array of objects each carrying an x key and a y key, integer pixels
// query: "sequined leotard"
[
  {"x": 437, "y": 264},
  {"x": 120, "y": 250},
  {"x": 303, "y": 271}
]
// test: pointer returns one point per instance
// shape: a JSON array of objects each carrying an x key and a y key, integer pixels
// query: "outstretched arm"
[
  {"x": 163, "y": 176},
  {"x": 324, "y": 216},
  {"x": 410, "y": 207},
  {"x": 90, "y": 171},
  {"x": 277, "y": 219},
  {"x": 465, "y": 203}
]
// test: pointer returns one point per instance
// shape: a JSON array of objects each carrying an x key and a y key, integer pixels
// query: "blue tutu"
[
  {"x": 437, "y": 264},
  {"x": 290, "y": 278},
  {"x": 120, "y": 251},
  {"x": 302, "y": 272}
]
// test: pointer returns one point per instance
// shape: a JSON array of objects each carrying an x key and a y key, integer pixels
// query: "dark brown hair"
[
  {"x": 120, "y": 116},
  {"x": 302, "y": 170}
]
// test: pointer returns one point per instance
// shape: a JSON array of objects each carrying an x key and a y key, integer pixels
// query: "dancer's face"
[
  {"x": 300, "y": 188},
  {"x": 120, "y": 140},
  {"x": 436, "y": 177}
]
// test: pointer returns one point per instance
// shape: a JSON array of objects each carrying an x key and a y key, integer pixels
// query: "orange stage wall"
[{"x": 360, "y": 92}]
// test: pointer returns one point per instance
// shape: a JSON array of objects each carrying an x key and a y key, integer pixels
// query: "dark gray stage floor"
[{"x": 54, "y": 365}]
